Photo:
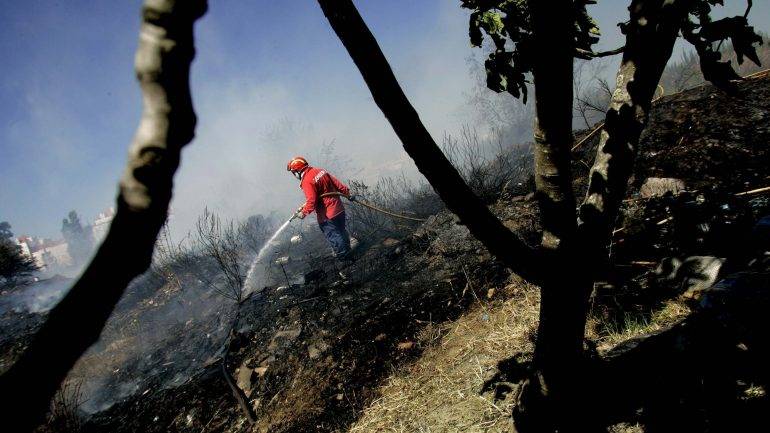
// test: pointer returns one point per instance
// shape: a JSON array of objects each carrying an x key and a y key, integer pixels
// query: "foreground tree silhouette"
[
  {"x": 545, "y": 37},
  {"x": 168, "y": 122}
]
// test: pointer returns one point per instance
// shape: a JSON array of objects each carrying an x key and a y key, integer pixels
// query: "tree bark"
[
  {"x": 162, "y": 64},
  {"x": 651, "y": 32},
  {"x": 552, "y": 71},
  {"x": 558, "y": 348},
  {"x": 418, "y": 143},
  {"x": 650, "y": 35},
  {"x": 553, "y": 399}
]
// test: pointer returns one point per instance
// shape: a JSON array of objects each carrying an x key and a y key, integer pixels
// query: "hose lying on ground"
[{"x": 373, "y": 207}]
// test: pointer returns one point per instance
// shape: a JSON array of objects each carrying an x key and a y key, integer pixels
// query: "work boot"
[
  {"x": 346, "y": 259},
  {"x": 343, "y": 270}
]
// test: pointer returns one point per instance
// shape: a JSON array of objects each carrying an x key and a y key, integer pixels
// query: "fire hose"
[{"x": 372, "y": 207}]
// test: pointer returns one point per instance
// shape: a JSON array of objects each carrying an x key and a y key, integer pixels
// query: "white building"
[
  {"x": 24, "y": 243},
  {"x": 52, "y": 254},
  {"x": 102, "y": 224},
  {"x": 46, "y": 253}
]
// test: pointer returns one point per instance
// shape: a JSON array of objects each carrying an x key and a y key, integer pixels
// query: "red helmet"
[{"x": 297, "y": 165}]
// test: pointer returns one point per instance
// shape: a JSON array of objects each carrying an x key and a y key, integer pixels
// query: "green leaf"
[
  {"x": 507, "y": 23},
  {"x": 474, "y": 29},
  {"x": 717, "y": 72},
  {"x": 743, "y": 40},
  {"x": 706, "y": 32},
  {"x": 492, "y": 23}
]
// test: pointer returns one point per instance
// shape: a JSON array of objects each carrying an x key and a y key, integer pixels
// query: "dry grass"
[
  {"x": 626, "y": 428},
  {"x": 608, "y": 335},
  {"x": 754, "y": 392},
  {"x": 440, "y": 392},
  {"x": 64, "y": 416}
]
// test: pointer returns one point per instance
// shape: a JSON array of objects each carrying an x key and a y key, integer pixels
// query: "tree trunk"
[
  {"x": 547, "y": 396},
  {"x": 163, "y": 61},
  {"x": 552, "y": 71},
  {"x": 418, "y": 143},
  {"x": 553, "y": 399},
  {"x": 651, "y": 32},
  {"x": 550, "y": 401}
]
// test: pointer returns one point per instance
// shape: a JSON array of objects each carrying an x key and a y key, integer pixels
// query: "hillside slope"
[{"x": 431, "y": 330}]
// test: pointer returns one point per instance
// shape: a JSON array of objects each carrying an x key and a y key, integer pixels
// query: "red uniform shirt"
[{"x": 315, "y": 182}]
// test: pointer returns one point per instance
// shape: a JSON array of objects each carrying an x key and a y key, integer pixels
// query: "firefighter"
[{"x": 329, "y": 210}]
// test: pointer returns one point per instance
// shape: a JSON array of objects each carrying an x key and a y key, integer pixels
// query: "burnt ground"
[
  {"x": 17, "y": 327},
  {"x": 313, "y": 357},
  {"x": 709, "y": 139},
  {"x": 314, "y": 354}
]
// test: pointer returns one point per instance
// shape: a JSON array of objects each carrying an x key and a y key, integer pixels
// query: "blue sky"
[{"x": 270, "y": 81}]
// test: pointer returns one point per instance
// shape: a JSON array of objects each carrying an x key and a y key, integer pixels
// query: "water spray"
[
  {"x": 270, "y": 242},
  {"x": 280, "y": 262},
  {"x": 297, "y": 239}
]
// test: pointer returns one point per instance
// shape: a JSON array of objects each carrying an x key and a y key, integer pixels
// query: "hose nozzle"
[{"x": 297, "y": 213}]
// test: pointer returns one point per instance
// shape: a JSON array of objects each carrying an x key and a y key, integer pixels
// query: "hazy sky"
[{"x": 270, "y": 81}]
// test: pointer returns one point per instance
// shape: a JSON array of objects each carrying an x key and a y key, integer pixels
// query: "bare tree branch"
[
  {"x": 586, "y": 54},
  {"x": 222, "y": 244},
  {"x": 163, "y": 61},
  {"x": 592, "y": 91}
]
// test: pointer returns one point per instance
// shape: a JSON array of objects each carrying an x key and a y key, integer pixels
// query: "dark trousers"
[{"x": 337, "y": 235}]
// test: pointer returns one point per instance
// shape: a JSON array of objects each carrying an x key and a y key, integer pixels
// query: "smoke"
[
  {"x": 153, "y": 342},
  {"x": 38, "y": 297},
  {"x": 251, "y": 124}
]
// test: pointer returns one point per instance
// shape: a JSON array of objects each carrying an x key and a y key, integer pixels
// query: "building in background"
[
  {"x": 51, "y": 255},
  {"x": 101, "y": 225},
  {"x": 26, "y": 244}
]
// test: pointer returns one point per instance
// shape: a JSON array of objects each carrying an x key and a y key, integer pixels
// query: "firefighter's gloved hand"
[{"x": 299, "y": 214}]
